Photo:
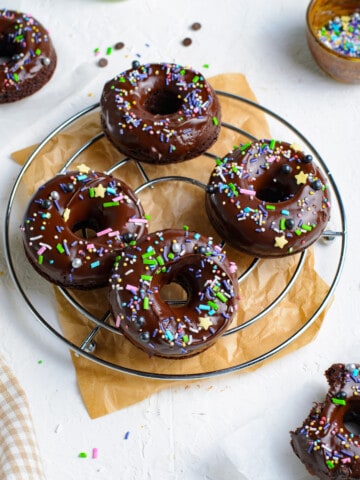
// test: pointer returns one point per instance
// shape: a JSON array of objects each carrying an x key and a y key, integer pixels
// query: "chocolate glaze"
[
  {"x": 177, "y": 257},
  {"x": 268, "y": 199},
  {"x": 324, "y": 444},
  {"x": 62, "y": 209},
  {"x": 160, "y": 113},
  {"x": 29, "y": 53}
]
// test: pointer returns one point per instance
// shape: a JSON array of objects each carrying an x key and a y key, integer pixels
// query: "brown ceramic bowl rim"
[{"x": 319, "y": 42}]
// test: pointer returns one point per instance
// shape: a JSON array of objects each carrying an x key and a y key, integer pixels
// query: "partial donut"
[
  {"x": 324, "y": 443},
  {"x": 76, "y": 224},
  {"x": 160, "y": 113},
  {"x": 268, "y": 199},
  {"x": 28, "y": 56},
  {"x": 186, "y": 259}
]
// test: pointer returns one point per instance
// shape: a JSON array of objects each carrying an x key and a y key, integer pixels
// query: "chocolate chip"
[
  {"x": 102, "y": 62},
  {"x": 187, "y": 41},
  {"x": 119, "y": 45}
]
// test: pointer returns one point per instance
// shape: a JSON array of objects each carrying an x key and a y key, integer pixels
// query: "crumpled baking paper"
[{"x": 174, "y": 204}]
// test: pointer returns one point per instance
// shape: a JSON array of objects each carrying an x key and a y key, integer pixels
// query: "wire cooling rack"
[{"x": 87, "y": 347}]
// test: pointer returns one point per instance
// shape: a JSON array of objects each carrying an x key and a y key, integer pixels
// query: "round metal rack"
[{"x": 87, "y": 346}]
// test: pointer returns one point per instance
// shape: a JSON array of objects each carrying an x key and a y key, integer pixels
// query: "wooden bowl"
[{"x": 343, "y": 68}]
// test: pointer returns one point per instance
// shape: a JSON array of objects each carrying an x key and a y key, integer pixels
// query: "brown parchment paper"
[{"x": 174, "y": 204}]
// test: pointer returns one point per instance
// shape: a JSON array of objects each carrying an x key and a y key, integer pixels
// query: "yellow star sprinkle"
[
  {"x": 83, "y": 168},
  {"x": 205, "y": 323},
  {"x": 66, "y": 214},
  {"x": 296, "y": 147},
  {"x": 99, "y": 191},
  {"x": 301, "y": 177},
  {"x": 280, "y": 242}
]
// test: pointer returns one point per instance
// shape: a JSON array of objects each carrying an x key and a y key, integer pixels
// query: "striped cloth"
[{"x": 19, "y": 455}]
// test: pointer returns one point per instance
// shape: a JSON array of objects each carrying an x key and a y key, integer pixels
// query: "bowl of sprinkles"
[{"x": 333, "y": 35}]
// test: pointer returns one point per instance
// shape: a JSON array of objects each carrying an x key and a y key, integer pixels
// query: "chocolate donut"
[
  {"x": 268, "y": 199},
  {"x": 160, "y": 113},
  {"x": 76, "y": 224},
  {"x": 188, "y": 260},
  {"x": 29, "y": 58},
  {"x": 324, "y": 443}
]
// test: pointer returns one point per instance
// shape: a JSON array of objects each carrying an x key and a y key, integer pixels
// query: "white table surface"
[{"x": 231, "y": 427}]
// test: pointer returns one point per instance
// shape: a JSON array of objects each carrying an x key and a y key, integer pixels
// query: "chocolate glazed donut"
[
  {"x": 76, "y": 224},
  {"x": 324, "y": 443},
  {"x": 188, "y": 260},
  {"x": 268, "y": 199},
  {"x": 30, "y": 58},
  {"x": 160, "y": 113}
]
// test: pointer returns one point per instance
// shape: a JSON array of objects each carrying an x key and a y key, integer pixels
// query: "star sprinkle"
[
  {"x": 66, "y": 214},
  {"x": 280, "y": 242},
  {"x": 296, "y": 147},
  {"x": 205, "y": 323},
  {"x": 83, "y": 168},
  {"x": 301, "y": 177},
  {"x": 99, "y": 191}
]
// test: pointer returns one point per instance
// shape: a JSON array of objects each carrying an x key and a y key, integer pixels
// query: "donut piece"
[
  {"x": 76, "y": 224},
  {"x": 324, "y": 443},
  {"x": 187, "y": 260},
  {"x": 268, "y": 199},
  {"x": 160, "y": 113},
  {"x": 28, "y": 56}
]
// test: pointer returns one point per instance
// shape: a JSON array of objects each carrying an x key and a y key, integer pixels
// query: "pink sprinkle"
[
  {"x": 113, "y": 234},
  {"x": 95, "y": 453},
  {"x": 104, "y": 232},
  {"x": 138, "y": 220},
  {"x": 271, "y": 159},
  {"x": 345, "y": 460},
  {"x": 233, "y": 267},
  {"x": 41, "y": 250},
  {"x": 90, "y": 246},
  {"x": 118, "y": 198},
  {"x": 131, "y": 288},
  {"x": 118, "y": 321},
  {"x": 244, "y": 191}
]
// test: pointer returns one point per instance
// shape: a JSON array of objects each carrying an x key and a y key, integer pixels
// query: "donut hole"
[
  {"x": 87, "y": 228},
  {"x": 162, "y": 102},
  {"x": 174, "y": 294},
  {"x": 275, "y": 188},
  {"x": 351, "y": 419},
  {"x": 9, "y": 49}
]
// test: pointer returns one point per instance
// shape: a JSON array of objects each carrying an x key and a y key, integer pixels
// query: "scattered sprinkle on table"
[
  {"x": 102, "y": 62},
  {"x": 95, "y": 452},
  {"x": 82, "y": 455},
  {"x": 126, "y": 436},
  {"x": 119, "y": 45},
  {"x": 40, "y": 362},
  {"x": 342, "y": 35}
]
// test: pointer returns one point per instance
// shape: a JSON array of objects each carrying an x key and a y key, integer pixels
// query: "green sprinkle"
[
  {"x": 148, "y": 217},
  {"x": 338, "y": 401},
  {"x": 171, "y": 256},
  {"x": 40, "y": 259},
  {"x": 213, "y": 305},
  {"x": 96, "y": 50},
  {"x": 330, "y": 464},
  {"x": 270, "y": 207},
  {"x": 16, "y": 77},
  {"x": 109, "y": 51},
  {"x": 91, "y": 193},
  {"x": 38, "y": 52},
  {"x": 186, "y": 228},
  {"x": 221, "y": 297},
  {"x": 111, "y": 204},
  {"x": 122, "y": 79},
  {"x": 215, "y": 121},
  {"x": 160, "y": 260},
  {"x": 282, "y": 224},
  {"x": 298, "y": 232},
  {"x": 83, "y": 455},
  {"x": 185, "y": 338},
  {"x": 272, "y": 144},
  {"x": 206, "y": 65},
  {"x": 60, "y": 248},
  {"x": 245, "y": 146},
  {"x": 149, "y": 253},
  {"x": 146, "y": 303},
  {"x": 149, "y": 261},
  {"x": 40, "y": 362},
  {"x": 146, "y": 278},
  {"x": 182, "y": 72},
  {"x": 196, "y": 79},
  {"x": 308, "y": 228}
]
